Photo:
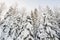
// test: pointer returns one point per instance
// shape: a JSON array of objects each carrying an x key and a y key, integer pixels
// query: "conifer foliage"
[{"x": 38, "y": 25}]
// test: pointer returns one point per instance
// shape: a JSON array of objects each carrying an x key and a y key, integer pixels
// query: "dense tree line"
[{"x": 40, "y": 24}]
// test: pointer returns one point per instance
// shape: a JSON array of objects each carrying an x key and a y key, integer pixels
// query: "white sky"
[{"x": 31, "y": 4}]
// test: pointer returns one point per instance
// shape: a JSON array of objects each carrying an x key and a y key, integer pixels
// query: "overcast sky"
[{"x": 30, "y": 4}]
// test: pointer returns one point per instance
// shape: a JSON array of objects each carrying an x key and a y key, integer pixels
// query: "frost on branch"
[{"x": 38, "y": 25}]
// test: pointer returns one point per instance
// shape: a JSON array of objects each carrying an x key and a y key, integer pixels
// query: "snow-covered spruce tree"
[
  {"x": 48, "y": 28},
  {"x": 9, "y": 25},
  {"x": 57, "y": 18},
  {"x": 35, "y": 22},
  {"x": 50, "y": 25}
]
